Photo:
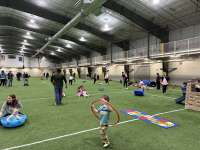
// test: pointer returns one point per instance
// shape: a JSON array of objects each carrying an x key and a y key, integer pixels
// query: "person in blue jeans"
[{"x": 57, "y": 80}]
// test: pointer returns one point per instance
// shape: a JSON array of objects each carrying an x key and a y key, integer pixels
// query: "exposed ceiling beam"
[
  {"x": 156, "y": 30},
  {"x": 13, "y": 33},
  {"x": 7, "y": 21},
  {"x": 33, "y": 44},
  {"x": 24, "y": 6}
]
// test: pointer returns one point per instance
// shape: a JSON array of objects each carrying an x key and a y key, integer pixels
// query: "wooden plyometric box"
[{"x": 193, "y": 96}]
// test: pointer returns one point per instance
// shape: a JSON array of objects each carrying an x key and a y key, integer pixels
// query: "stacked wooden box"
[{"x": 192, "y": 97}]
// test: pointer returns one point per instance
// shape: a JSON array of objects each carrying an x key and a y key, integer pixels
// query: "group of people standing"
[
  {"x": 162, "y": 81},
  {"x": 45, "y": 75},
  {"x": 6, "y": 79}
]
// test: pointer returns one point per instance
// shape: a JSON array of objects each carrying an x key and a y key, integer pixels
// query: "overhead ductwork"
[{"x": 96, "y": 4}]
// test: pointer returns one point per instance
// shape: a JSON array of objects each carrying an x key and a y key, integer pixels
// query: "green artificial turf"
[{"x": 48, "y": 121}]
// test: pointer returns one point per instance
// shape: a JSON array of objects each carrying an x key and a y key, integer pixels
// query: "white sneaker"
[{"x": 106, "y": 145}]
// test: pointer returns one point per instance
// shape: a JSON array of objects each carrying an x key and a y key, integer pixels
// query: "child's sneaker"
[{"x": 106, "y": 145}]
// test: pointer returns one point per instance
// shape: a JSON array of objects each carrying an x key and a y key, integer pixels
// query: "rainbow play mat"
[{"x": 164, "y": 123}]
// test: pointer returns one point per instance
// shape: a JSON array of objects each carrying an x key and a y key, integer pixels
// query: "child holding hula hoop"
[{"x": 104, "y": 112}]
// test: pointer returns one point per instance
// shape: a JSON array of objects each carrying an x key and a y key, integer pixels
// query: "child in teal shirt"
[{"x": 104, "y": 113}]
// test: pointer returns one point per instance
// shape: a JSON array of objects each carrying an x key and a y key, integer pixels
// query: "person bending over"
[
  {"x": 181, "y": 99},
  {"x": 11, "y": 106},
  {"x": 104, "y": 112}
]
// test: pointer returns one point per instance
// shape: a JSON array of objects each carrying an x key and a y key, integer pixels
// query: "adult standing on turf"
[
  {"x": 57, "y": 80},
  {"x": 71, "y": 78},
  {"x": 125, "y": 80},
  {"x": 95, "y": 78},
  {"x": 158, "y": 81},
  {"x": 74, "y": 76},
  {"x": 3, "y": 78},
  {"x": 10, "y": 78},
  {"x": 106, "y": 78},
  {"x": 47, "y": 75},
  {"x": 164, "y": 82}
]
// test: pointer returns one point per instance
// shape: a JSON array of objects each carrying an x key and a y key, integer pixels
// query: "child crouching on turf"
[
  {"x": 104, "y": 112},
  {"x": 81, "y": 91}
]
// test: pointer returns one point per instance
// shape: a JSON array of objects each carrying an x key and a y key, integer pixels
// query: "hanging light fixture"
[
  {"x": 32, "y": 21},
  {"x": 106, "y": 27},
  {"x": 155, "y": 2},
  {"x": 59, "y": 50},
  {"x": 52, "y": 53},
  {"x": 68, "y": 45},
  {"x": 82, "y": 39}
]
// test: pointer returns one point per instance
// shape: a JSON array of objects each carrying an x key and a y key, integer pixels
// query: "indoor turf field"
[{"x": 47, "y": 121}]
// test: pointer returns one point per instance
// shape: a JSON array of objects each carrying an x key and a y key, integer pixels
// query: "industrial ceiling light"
[
  {"x": 32, "y": 21},
  {"x": 28, "y": 33},
  {"x": 68, "y": 45},
  {"x": 106, "y": 27},
  {"x": 1, "y": 50},
  {"x": 155, "y": 2},
  {"x": 23, "y": 47},
  {"x": 25, "y": 41},
  {"x": 52, "y": 53},
  {"x": 82, "y": 39},
  {"x": 59, "y": 50},
  {"x": 21, "y": 51}
]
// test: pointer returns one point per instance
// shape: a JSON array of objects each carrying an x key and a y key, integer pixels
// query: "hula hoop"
[{"x": 109, "y": 105}]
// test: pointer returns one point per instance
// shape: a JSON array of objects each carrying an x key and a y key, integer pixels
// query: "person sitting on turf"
[
  {"x": 81, "y": 91},
  {"x": 181, "y": 99},
  {"x": 104, "y": 112},
  {"x": 11, "y": 106}
]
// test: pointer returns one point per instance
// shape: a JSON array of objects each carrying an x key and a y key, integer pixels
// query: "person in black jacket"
[
  {"x": 125, "y": 80},
  {"x": 57, "y": 81},
  {"x": 95, "y": 78},
  {"x": 158, "y": 78}
]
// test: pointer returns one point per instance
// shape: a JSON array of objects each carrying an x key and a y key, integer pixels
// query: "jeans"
[
  {"x": 58, "y": 95},
  {"x": 10, "y": 82},
  {"x": 181, "y": 99},
  {"x": 3, "y": 82}
]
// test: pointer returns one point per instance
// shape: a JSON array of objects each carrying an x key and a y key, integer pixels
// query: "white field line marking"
[
  {"x": 84, "y": 131},
  {"x": 162, "y": 96}
]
